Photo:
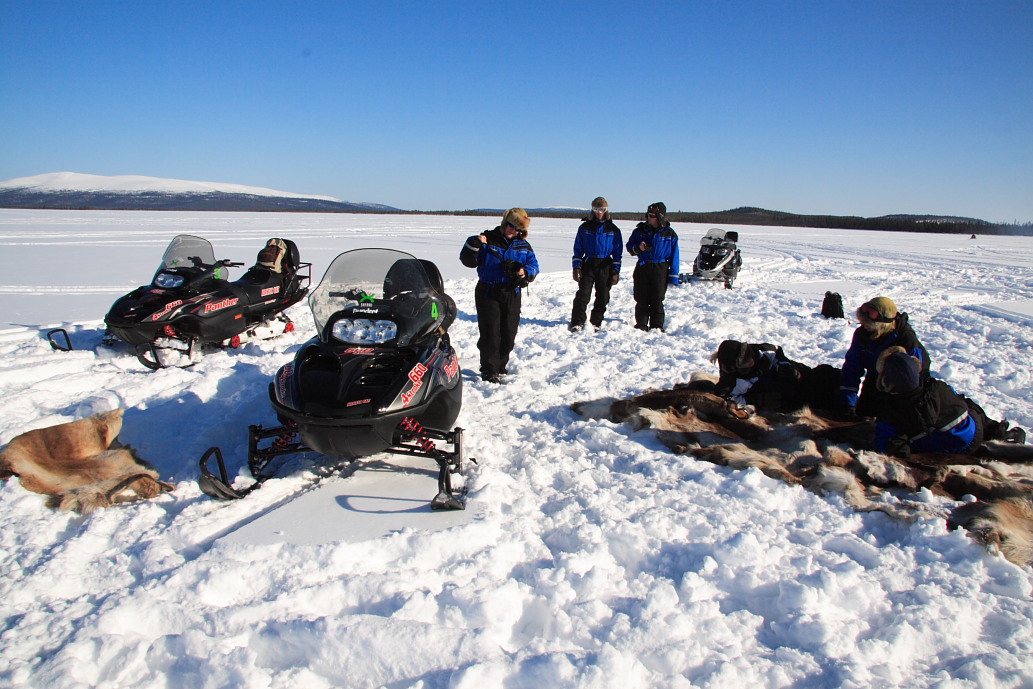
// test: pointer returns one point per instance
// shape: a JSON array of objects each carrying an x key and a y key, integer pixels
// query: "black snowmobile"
[
  {"x": 191, "y": 300},
  {"x": 718, "y": 258},
  {"x": 380, "y": 376}
]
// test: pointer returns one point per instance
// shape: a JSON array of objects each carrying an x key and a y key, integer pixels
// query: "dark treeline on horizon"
[
  {"x": 759, "y": 216},
  {"x": 737, "y": 216}
]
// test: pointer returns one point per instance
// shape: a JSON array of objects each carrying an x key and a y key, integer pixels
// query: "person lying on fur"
[
  {"x": 761, "y": 376},
  {"x": 929, "y": 416}
]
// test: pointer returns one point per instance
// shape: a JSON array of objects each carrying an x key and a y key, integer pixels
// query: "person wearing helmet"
[
  {"x": 916, "y": 415},
  {"x": 597, "y": 264},
  {"x": 505, "y": 263},
  {"x": 655, "y": 244},
  {"x": 882, "y": 326}
]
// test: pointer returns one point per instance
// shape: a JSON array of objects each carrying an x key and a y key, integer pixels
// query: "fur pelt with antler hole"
[
  {"x": 824, "y": 454},
  {"x": 81, "y": 465}
]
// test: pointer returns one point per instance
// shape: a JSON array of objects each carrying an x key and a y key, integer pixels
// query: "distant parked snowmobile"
[
  {"x": 380, "y": 376},
  {"x": 191, "y": 301},
  {"x": 718, "y": 259}
]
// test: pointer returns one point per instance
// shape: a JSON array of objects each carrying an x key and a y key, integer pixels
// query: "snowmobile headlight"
[
  {"x": 720, "y": 252},
  {"x": 168, "y": 280},
  {"x": 364, "y": 331}
]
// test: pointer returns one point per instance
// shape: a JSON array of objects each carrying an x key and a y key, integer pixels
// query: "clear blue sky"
[{"x": 863, "y": 108}]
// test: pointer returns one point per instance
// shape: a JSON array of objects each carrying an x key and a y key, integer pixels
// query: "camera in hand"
[{"x": 512, "y": 270}]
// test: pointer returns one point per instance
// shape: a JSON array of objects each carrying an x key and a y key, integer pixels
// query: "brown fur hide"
[
  {"x": 80, "y": 465},
  {"x": 807, "y": 449}
]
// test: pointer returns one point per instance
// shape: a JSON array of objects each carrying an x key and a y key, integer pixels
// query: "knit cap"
[{"x": 899, "y": 373}]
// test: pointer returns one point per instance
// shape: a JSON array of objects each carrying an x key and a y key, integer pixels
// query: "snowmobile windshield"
[
  {"x": 183, "y": 249},
  {"x": 376, "y": 297}
]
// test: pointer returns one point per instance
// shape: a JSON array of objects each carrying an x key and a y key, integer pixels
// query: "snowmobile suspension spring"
[
  {"x": 413, "y": 426},
  {"x": 282, "y": 442}
]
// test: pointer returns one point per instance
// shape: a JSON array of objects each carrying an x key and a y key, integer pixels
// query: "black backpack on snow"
[{"x": 832, "y": 305}]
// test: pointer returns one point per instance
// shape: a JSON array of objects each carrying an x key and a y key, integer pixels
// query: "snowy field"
[{"x": 590, "y": 555}]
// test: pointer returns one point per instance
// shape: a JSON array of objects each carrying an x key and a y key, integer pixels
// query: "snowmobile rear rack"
[{"x": 411, "y": 439}]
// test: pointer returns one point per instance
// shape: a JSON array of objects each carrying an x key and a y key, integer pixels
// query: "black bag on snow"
[{"x": 832, "y": 305}]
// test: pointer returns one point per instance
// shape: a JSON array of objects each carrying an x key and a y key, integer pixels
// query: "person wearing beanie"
[
  {"x": 761, "y": 376},
  {"x": 882, "y": 326},
  {"x": 598, "y": 246},
  {"x": 655, "y": 244},
  {"x": 916, "y": 415},
  {"x": 505, "y": 263}
]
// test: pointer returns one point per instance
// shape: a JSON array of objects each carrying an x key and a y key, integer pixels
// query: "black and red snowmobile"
[
  {"x": 380, "y": 376},
  {"x": 190, "y": 303}
]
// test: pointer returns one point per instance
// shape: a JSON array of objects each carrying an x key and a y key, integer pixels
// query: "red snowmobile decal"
[
  {"x": 219, "y": 305},
  {"x": 416, "y": 376},
  {"x": 451, "y": 368},
  {"x": 168, "y": 307}
]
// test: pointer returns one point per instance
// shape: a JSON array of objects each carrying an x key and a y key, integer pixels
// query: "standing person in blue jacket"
[
  {"x": 882, "y": 326},
  {"x": 656, "y": 246},
  {"x": 597, "y": 264},
  {"x": 505, "y": 263},
  {"x": 916, "y": 415}
]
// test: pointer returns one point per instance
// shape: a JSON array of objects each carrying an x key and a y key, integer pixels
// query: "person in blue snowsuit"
[
  {"x": 917, "y": 415},
  {"x": 598, "y": 246},
  {"x": 655, "y": 245},
  {"x": 882, "y": 326},
  {"x": 505, "y": 264}
]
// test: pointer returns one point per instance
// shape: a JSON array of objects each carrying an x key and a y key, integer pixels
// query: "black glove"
[
  {"x": 577, "y": 275},
  {"x": 848, "y": 413},
  {"x": 614, "y": 278},
  {"x": 898, "y": 447}
]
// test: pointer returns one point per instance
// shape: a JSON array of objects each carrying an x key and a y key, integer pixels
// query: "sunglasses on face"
[
  {"x": 870, "y": 313},
  {"x": 652, "y": 215},
  {"x": 600, "y": 209}
]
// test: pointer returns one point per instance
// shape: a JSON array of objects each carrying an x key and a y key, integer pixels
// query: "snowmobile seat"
[{"x": 275, "y": 267}]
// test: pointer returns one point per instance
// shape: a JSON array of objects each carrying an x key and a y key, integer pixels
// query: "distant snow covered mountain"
[{"x": 135, "y": 192}]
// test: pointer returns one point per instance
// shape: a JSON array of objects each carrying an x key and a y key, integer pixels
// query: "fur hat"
[
  {"x": 600, "y": 202},
  {"x": 899, "y": 372},
  {"x": 883, "y": 306},
  {"x": 517, "y": 217}
]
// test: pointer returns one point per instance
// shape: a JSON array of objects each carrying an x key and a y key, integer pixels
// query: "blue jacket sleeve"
[
  {"x": 673, "y": 276},
  {"x": 470, "y": 252},
  {"x": 618, "y": 249},
  {"x": 853, "y": 370},
  {"x": 633, "y": 241},
  {"x": 579, "y": 248},
  {"x": 531, "y": 264}
]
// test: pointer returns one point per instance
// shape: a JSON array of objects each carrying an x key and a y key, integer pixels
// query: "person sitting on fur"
[
  {"x": 882, "y": 326},
  {"x": 757, "y": 375},
  {"x": 917, "y": 415}
]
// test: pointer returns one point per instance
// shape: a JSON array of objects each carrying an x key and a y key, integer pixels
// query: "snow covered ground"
[{"x": 591, "y": 556}]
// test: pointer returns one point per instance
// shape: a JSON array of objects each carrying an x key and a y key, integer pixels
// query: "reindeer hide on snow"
[
  {"x": 827, "y": 455},
  {"x": 80, "y": 465}
]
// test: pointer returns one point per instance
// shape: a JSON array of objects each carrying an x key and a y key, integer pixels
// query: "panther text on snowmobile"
[
  {"x": 191, "y": 301},
  {"x": 380, "y": 376}
]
